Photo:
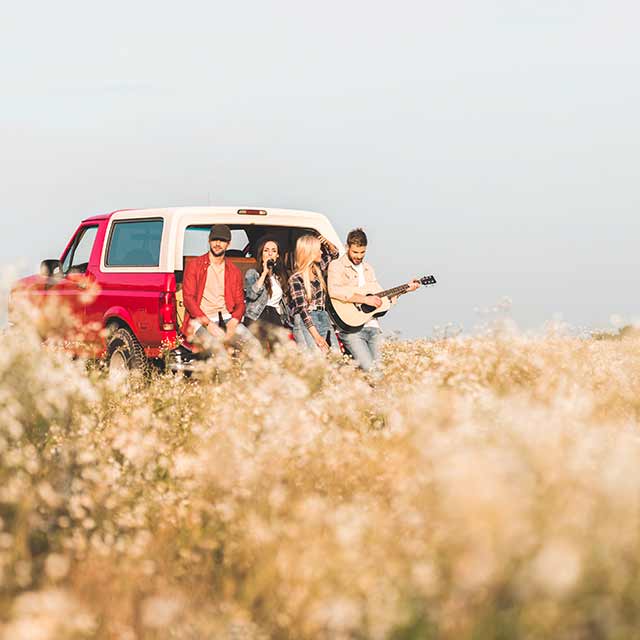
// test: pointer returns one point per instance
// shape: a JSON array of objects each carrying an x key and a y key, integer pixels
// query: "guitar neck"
[{"x": 396, "y": 291}]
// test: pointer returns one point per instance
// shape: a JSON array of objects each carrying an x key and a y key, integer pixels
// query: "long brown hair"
[{"x": 279, "y": 270}]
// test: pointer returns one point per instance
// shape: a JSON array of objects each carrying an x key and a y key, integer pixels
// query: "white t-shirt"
[
  {"x": 276, "y": 294},
  {"x": 360, "y": 271}
]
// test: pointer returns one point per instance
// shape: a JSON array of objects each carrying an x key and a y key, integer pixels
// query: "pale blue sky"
[{"x": 492, "y": 143}]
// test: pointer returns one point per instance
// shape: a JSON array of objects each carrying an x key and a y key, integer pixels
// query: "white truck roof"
[{"x": 177, "y": 219}]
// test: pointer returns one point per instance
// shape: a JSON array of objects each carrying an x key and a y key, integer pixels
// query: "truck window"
[
  {"x": 196, "y": 241},
  {"x": 77, "y": 258},
  {"x": 135, "y": 243}
]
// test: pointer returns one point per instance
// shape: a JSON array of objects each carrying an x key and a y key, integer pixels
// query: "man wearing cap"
[{"x": 212, "y": 288}]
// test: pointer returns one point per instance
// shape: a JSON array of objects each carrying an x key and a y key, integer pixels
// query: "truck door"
[{"x": 73, "y": 291}]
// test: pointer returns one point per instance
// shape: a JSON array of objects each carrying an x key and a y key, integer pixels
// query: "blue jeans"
[
  {"x": 242, "y": 337},
  {"x": 322, "y": 323},
  {"x": 364, "y": 346}
]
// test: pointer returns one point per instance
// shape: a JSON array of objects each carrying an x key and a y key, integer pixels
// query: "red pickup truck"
[{"x": 120, "y": 275}]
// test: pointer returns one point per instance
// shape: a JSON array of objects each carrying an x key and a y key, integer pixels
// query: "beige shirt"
[
  {"x": 373, "y": 323},
  {"x": 343, "y": 279},
  {"x": 213, "y": 296}
]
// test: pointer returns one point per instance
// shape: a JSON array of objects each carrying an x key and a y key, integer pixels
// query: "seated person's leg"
[
  {"x": 243, "y": 334},
  {"x": 205, "y": 341},
  {"x": 243, "y": 339}
]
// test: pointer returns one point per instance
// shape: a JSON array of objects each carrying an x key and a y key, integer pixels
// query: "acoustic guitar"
[{"x": 352, "y": 316}]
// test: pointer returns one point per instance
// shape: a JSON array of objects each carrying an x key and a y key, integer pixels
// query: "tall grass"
[{"x": 484, "y": 488}]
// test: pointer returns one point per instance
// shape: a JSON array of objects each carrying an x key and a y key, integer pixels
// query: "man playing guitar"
[{"x": 348, "y": 277}]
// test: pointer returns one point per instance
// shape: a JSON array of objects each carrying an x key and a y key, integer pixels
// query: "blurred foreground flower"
[{"x": 488, "y": 487}]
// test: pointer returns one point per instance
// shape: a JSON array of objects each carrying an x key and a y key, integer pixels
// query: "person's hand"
[
  {"x": 373, "y": 301},
  {"x": 322, "y": 344},
  {"x": 215, "y": 330},
  {"x": 265, "y": 266},
  {"x": 327, "y": 243},
  {"x": 413, "y": 285},
  {"x": 232, "y": 325}
]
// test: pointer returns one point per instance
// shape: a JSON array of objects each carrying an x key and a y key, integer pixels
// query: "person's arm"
[
  {"x": 298, "y": 303},
  {"x": 412, "y": 286},
  {"x": 230, "y": 330},
  {"x": 238, "y": 307},
  {"x": 238, "y": 300},
  {"x": 329, "y": 252},
  {"x": 340, "y": 289},
  {"x": 372, "y": 282},
  {"x": 318, "y": 339},
  {"x": 189, "y": 297},
  {"x": 337, "y": 284},
  {"x": 253, "y": 284}
]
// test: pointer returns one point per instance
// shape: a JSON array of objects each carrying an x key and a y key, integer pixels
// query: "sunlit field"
[{"x": 483, "y": 487}]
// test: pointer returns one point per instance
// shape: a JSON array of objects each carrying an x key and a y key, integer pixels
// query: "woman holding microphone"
[{"x": 265, "y": 289}]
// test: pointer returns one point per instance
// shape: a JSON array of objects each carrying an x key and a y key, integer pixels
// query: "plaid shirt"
[{"x": 298, "y": 303}]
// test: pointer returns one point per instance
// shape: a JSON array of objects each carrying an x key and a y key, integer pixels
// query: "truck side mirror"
[{"x": 51, "y": 268}]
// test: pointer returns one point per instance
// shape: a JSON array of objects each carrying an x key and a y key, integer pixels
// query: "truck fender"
[{"x": 121, "y": 316}]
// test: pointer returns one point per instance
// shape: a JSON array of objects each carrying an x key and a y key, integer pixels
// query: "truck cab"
[{"x": 120, "y": 275}]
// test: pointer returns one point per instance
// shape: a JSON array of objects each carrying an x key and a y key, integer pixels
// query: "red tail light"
[
  {"x": 168, "y": 318},
  {"x": 252, "y": 212}
]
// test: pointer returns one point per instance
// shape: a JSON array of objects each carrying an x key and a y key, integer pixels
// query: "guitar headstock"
[{"x": 427, "y": 280}]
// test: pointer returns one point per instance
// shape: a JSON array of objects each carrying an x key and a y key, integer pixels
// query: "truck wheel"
[{"x": 125, "y": 353}]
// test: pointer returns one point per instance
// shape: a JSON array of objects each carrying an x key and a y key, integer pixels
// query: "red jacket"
[{"x": 194, "y": 281}]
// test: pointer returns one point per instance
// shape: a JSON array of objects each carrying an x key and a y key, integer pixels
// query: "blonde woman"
[{"x": 312, "y": 325}]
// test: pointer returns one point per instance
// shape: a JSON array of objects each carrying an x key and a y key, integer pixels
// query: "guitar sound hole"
[{"x": 367, "y": 308}]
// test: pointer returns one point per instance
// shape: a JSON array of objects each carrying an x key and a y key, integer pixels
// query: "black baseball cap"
[{"x": 220, "y": 232}]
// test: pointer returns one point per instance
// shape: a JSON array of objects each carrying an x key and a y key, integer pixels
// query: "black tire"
[{"x": 125, "y": 352}]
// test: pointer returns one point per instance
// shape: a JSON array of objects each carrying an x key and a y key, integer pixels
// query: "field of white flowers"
[{"x": 487, "y": 488}]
